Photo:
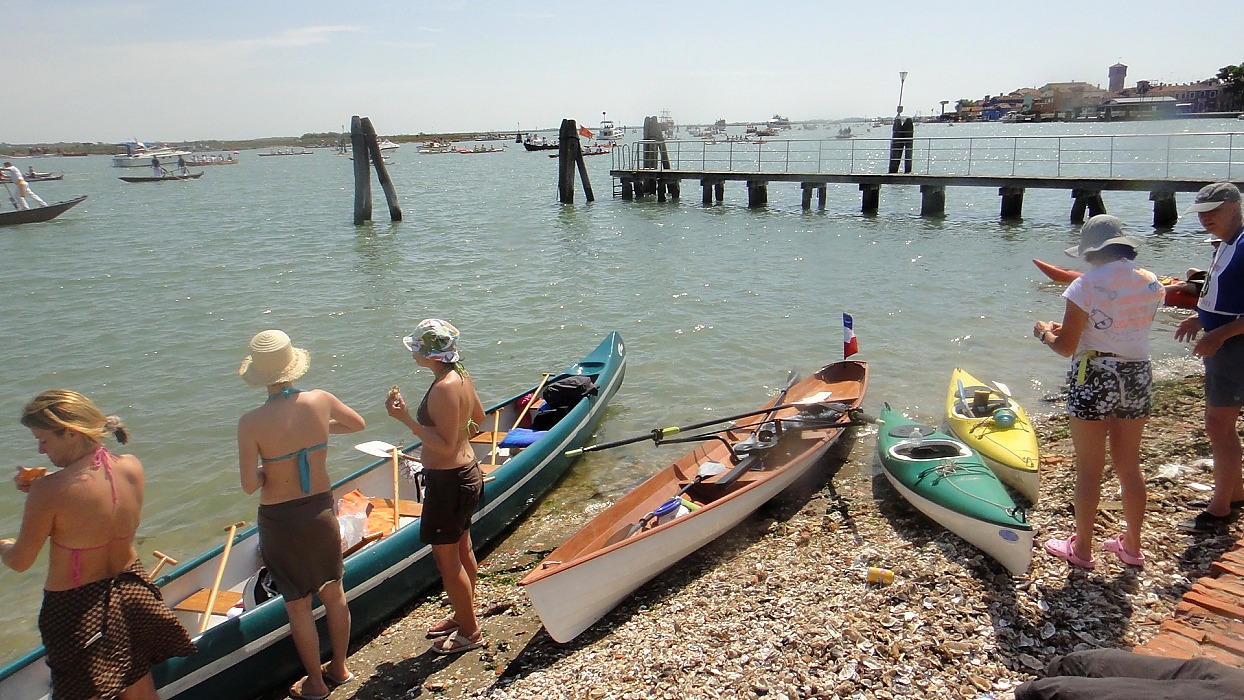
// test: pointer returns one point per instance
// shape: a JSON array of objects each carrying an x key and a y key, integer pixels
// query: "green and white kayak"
[{"x": 949, "y": 482}]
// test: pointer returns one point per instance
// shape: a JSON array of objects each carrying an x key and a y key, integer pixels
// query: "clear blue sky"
[{"x": 107, "y": 71}]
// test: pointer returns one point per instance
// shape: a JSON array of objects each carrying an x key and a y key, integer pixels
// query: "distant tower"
[{"x": 1117, "y": 74}]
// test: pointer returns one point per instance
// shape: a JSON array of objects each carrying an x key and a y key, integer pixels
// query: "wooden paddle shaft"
[
  {"x": 220, "y": 574},
  {"x": 396, "y": 484},
  {"x": 496, "y": 426},
  {"x": 534, "y": 395},
  {"x": 164, "y": 559}
]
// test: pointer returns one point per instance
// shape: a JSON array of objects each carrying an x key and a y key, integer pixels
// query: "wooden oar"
[
  {"x": 534, "y": 396},
  {"x": 657, "y": 434},
  {"x": 220, "y": 573},
  {"x": 164, "y": 559},
  {"x": 396, "y": 498},
  {"x": 496, "y": 426}
]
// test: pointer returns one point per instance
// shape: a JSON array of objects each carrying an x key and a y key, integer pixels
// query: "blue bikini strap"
[{"x": 304, "y": 464}]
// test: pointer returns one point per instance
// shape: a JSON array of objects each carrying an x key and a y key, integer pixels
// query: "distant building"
[
  {"x": 1128, "y": 108},
  {"x": 1067, "y": 101},
  {"x": 1118, "y": 74}
]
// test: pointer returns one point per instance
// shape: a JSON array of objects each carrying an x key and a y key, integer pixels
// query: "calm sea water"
[{"x": 145, "y": 296}]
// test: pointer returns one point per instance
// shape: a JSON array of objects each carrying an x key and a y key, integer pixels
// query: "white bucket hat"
[{"x": 1100, "y": 231}]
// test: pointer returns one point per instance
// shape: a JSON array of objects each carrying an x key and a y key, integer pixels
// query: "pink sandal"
[
  {"x": 1066, "y": 550},
  {"x": 1115, "y": 545}
]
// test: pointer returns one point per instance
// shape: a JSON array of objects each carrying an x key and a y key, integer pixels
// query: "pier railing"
[{"x": 1200, "y": 156}]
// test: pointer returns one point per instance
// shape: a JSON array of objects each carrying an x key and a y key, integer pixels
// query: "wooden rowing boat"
[
  {"x": 625, "y": 545},
  {"x": 949, "y": 482},
  {"x": 162, "y": 178},
  {"x": 247, "y": 651},
  {"x": 1174, "y": 297},
  {"x": 37, "y": 214},
  {"x": 991, "y": 422}
]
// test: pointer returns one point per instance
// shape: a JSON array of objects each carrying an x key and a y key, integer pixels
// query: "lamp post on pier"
[{"x": 902, "y": 78}]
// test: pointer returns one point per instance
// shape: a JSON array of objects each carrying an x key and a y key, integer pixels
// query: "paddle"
[
  {"x": 705, "y": 471},
  {"x": 757, "y": 441},
  {"x": 164, "y": 559},
  {"x": 658, "y": 433},
  {"x": 534, "y": 395},
  {"x": 220, "y": 573}
]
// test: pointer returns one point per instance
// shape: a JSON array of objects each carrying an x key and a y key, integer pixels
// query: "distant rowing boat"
[
  {"x": 163, "y": 178},
  {"x": 31, "y": 216}
]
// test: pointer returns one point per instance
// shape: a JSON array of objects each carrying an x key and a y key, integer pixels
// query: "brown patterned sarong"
[
  {"x": 300, "y": 542},
  {"x": 104, "y": 636}
]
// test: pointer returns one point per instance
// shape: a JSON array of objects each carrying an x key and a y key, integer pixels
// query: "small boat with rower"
[{"x": 37, "y": 214}]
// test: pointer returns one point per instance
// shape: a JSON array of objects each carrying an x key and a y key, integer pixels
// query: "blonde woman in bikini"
[
  {"x": 446, "y": 419},
  {"x": 103, "y": 622}
]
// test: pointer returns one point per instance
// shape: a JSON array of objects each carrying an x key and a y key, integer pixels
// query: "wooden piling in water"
[
  {"x": 570, "y": 156},
  {"x": 366, "y": 150},
  {"x": 757, "y": 193},
  {"x": 382, "y": 171},
  {"x": 1086, "y": 199},
  {"x": 932, "y": 200},
  {"x": 362, "y": 180},
  {"x": 871, "y": 198},
  {"x": 1165, "y": 212},
  {"x": 1012, "y": 202}
]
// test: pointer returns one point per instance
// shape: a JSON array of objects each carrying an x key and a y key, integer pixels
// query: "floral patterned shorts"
[{"x": 1111, "y": 388}]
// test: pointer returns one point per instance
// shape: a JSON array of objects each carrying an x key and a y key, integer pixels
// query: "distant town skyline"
[{"x": 99, "y": 71}]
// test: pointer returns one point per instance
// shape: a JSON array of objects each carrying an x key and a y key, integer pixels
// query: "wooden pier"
[{"x": 1085, "y": 166}]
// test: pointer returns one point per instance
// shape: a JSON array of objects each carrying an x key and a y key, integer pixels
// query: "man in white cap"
[{"x": 1220, "y": 313}]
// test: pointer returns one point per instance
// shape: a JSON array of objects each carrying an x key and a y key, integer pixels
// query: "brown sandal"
[
  {"x": 459, "y": 643},
  {"x": 444, "y": 628}
]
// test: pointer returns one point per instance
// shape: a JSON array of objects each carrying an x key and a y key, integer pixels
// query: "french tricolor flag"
[{"x": 850, "y": 345}]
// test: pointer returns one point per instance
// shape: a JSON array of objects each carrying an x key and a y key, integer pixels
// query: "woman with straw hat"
[{"x": 298, "y": 531}]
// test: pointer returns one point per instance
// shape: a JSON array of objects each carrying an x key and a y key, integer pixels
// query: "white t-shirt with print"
[{"x": 1121, "y": 300}]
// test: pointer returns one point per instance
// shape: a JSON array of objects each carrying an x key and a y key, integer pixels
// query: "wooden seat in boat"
[{"x": 197, "y": 602}]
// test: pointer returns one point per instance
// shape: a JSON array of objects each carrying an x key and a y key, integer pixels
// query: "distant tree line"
[{"x": 1232, "y": 78}]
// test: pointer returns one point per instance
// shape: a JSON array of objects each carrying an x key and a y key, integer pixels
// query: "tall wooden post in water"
[
  {"x": 366, "y": 150},
  {"x": 570, "y": 155}
]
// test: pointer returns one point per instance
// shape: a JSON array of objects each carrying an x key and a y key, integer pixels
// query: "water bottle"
[{"x": 917, "y": 436}]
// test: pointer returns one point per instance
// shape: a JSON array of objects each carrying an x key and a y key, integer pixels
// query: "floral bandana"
[{"x": 434, "y": 339}]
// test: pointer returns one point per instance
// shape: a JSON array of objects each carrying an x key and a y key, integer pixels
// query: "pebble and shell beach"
[{"x": 780, "y": 606}]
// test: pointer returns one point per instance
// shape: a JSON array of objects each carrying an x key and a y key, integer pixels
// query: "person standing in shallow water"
[
  {"x": 298, "y": 531},
  {"x": 103, "y": 622},
  {"x": 1105, "y": 330},
  {"x": 447, "y": 418}
]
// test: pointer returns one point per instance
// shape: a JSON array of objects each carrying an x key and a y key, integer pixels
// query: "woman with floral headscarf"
[{"x": 446, "y": 419}]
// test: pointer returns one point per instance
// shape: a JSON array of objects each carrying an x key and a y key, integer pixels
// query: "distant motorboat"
[
  {"x": 436, "y": 147},
  {"x": 387, "y": 145},
  {"x": 607, "y": 131},
  {"x": 136, "y": 154}
]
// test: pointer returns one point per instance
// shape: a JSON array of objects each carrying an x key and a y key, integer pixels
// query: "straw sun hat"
[{"x": 273, "y": 360}]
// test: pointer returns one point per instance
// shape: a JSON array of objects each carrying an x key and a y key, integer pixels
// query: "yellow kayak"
[{"x": 993, "y": 424}]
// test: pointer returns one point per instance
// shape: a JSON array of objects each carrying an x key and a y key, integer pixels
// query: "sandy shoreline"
[{"x": 778, "y": 607}]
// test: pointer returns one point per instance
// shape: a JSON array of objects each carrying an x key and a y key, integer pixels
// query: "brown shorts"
[
  {"x": 300, "y": 541},
  {"x": 104, "y": 636},
  {"x": 449, "y": 501}
]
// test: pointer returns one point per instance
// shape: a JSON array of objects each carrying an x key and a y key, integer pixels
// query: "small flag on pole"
[
  {"x": 585, "y": 132},
  {"x": 850, "y": 345}
]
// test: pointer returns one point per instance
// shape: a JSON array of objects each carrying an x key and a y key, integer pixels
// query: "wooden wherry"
[
  {"x": 37, "y": 214},
  {"x": 246, "y": 650},
  {"x": 162, "y": 178},
  {"x": 991, "y": 422},
  {"x": 949, "y": 482},
  {"x": 724, "y": 479}
]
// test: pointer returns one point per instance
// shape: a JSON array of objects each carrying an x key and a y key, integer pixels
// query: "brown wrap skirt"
[
  {"x": 300, "y": 541},
  {"x": 104, "y": 636}
]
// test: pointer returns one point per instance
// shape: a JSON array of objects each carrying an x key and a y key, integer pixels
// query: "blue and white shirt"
[{"x": 1222, "y": 297}]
